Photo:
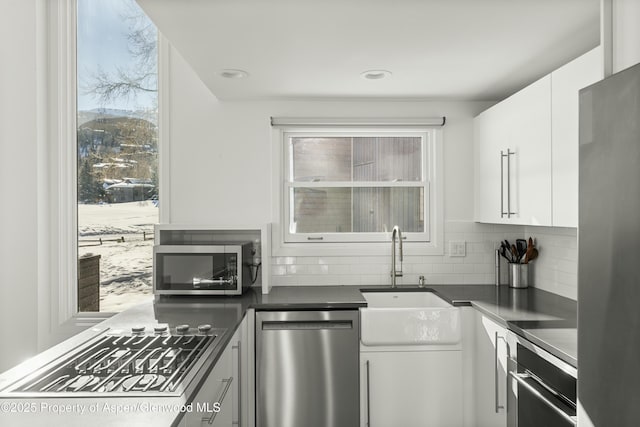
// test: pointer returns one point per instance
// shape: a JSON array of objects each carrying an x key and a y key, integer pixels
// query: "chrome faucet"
[{"x": 395, "y": 273}]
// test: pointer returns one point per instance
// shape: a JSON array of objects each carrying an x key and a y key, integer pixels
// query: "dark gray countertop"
[{"x": 546, "y": 319}]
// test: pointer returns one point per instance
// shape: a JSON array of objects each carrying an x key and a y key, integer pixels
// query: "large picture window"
[
  {"x": 356, "y": 186},
  {"x": 117, "y": 153}
]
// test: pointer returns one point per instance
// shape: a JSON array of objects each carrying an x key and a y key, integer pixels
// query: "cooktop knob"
[
  {"x": 182, "y": 329},
  {"x": 138, "y": 330},
  {"x": 203, "y": 329},
  {"x": 160, "y": 329}
]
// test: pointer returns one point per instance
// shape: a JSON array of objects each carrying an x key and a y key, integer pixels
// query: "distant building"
[{"x": 129, "y": 190}]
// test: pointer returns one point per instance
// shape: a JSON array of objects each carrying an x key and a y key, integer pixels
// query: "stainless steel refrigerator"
[{"x": 609, "y": 252}]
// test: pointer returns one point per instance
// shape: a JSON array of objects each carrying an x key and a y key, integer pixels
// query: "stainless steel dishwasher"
[{"x": 307, "y": 370}]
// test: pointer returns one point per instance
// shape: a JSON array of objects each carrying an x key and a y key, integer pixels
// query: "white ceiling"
[{"x": 436, "y": 49}]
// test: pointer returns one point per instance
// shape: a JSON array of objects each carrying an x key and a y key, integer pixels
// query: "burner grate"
[{"x": 126, "y": 363}]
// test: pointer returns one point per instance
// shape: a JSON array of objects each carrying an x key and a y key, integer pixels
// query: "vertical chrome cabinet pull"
[
  {"x": 227, "y": 382},
  {"x": 509, "y": 154},
  {"x": 368, "y": 397},
  {"x": 239, "y": 361},
  {"x": 502, "y": 156},
  {"x": 495, "y": 373}
]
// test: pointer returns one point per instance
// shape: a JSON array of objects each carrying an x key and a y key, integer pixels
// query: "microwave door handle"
[
  {"x": 520, "y": 379},
  {"x": 200, "y": 281}
]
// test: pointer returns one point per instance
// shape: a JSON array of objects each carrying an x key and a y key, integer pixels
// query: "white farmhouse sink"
[{"x": 408, "y": 318}]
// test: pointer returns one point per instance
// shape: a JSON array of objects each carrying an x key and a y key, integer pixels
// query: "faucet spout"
[{"x": 394, "y": 271}]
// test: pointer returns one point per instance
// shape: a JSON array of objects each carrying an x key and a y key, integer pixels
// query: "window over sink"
[{"x": 353, "y": 185}]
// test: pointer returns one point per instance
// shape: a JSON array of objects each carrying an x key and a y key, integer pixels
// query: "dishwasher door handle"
[{"x": 293, "y": 325}]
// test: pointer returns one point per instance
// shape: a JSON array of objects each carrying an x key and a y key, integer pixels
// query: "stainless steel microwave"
[{"x": 215, "y": 269}]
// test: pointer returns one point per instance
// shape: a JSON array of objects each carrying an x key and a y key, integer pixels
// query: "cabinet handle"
[
  {"x": 502, "y": 156},
  {"x": 495, "y": 373},
  {"x": 227, "y": 382},
  {"x": 239, "y": 362},
  {"x": 368, "y": 396},
  {"x": 509, "y": 154}
]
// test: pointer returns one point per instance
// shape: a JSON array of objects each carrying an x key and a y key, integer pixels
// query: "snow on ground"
[{"x": 125, "y": 268}]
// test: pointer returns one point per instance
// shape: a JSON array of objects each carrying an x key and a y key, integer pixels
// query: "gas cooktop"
[{"x": 156, "y": 362}]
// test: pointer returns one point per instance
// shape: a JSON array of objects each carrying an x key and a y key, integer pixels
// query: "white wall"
[
  {"x": 221, "y": 174},
  {"x": 18, "y": 182},
  {"x": 220, "y": 151},
  {"x": 625, "y": 33}
]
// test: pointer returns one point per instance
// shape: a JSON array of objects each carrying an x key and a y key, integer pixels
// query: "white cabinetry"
[
  {"x": 490, "y": 373},
  {"x": 566, "y": 83},
  {"x": 513, "y": 158},
  {"x": 489, "y": 136},
  {"x": 411, "y": 388},
  {"x": 240, "y": 370},
  {"x": 526, "y": 150},
  {"x": 215, "y": 394},
  {"x": 225, "y": 387}
]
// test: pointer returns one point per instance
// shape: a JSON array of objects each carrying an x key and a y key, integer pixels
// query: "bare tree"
[{"x": 142, "y": 75}]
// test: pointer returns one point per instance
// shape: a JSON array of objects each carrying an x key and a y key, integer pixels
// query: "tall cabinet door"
[
  {"x": 529, "y": 167},
  {"x": 490, "y": 373},
  {"x": 489, "y": 136},
  {"x": 215, "y": 391},
  {"x": 240, "y": 371},
  {"x": 566, "y": 83}
]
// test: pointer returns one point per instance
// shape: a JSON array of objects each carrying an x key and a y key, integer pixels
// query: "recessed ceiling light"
[
  {"x": 233, "y": 74},
  {"x": 375, "y": 74}
]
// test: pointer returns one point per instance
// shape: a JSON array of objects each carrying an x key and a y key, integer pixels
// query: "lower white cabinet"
[
  {"x": 411, "y": 388},
  {"x": 225, "y": 388},
  {"x": 240, "y": 362},
  {"x": 490, "y": 373},
  {"x": 215, "y": 391}
]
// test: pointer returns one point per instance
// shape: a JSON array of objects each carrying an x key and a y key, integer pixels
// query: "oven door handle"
[{"x": 520, "y": 379}]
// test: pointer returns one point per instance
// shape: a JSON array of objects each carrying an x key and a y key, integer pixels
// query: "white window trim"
[
  {"x": 59, "y": 201},
  {"x": 435, "y": 216},
  {"x": 347, "y": 237}
]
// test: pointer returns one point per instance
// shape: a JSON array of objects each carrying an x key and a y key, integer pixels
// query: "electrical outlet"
[{"x": 457, "y": 248}]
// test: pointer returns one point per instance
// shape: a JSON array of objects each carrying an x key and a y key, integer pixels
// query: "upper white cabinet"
[
  {"x": 489, "y": 136},
  {"x": 513, "y": 158},
  {"x": 566, "y": 82},
  {"x": 526, "y": 150}
]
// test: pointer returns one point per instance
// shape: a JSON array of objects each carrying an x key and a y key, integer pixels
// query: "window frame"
[
  {"x": 61, "y": 206},
  {"x": 346, "y": 245},
  {"x": 345, "y": 237}
]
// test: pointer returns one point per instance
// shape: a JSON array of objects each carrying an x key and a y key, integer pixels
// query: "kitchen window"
[{"x": 354, "y": 185}]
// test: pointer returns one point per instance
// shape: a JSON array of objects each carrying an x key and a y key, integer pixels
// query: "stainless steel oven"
[
  {"x": 216, "y": 269},
  {"x": 541, "y": 387}
]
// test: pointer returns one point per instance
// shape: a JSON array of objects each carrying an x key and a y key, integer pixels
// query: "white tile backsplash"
[
  {"x": 556, "y": 269},
  {"x": 474, "y": 268}
]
